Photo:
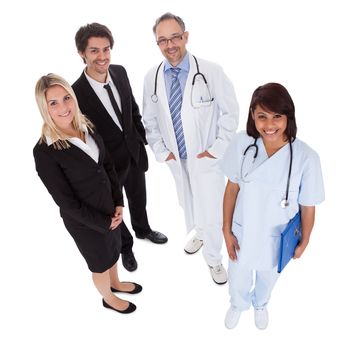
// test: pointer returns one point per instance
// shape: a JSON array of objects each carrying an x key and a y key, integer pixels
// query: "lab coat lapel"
[
  {"x": 161, "y": 91},
  {"x": 186, "y": 101},
  {"x": 189, "y": 115}
]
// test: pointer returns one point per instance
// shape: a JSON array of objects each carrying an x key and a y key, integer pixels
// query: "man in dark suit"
[{"x": 105, "y": 97}]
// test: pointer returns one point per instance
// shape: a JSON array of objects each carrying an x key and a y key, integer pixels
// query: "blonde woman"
[{"x": 72, "y": 162}]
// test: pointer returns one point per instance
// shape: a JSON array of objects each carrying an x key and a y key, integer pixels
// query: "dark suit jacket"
[
  {"x": 85, "y": 191},
  {"x": 122, "y": 146}
]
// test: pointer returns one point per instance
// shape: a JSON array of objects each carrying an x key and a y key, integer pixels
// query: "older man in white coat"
[{"x": 190, "y": 114}]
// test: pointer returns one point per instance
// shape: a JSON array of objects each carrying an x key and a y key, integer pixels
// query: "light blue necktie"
[{"x": 175, "y": 103}]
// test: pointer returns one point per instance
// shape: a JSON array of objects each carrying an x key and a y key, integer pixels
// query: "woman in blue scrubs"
[{"x": 257, "y": 164}]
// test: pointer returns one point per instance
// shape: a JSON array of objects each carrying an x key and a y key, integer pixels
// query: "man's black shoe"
[
  {"x": 129, "y": 261},
  {"x": 155, "y": 237}
]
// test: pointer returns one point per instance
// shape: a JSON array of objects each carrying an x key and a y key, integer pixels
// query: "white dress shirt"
[{"x": 102, "y": 94}]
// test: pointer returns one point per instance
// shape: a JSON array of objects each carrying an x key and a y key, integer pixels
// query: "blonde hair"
[{"x": 49, "y": 129}]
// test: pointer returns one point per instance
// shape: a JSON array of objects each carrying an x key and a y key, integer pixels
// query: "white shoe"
[
  {"x": 261, "y": 317},
  {"x": 232, "y": 318},
  {"x": 218, "y": 273},
  {"x": 193, "y": 245}
]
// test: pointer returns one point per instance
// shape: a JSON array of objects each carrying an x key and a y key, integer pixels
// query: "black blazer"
[
  {"x": 122, "y": 145},
  {"x": 85, "y": 191}
]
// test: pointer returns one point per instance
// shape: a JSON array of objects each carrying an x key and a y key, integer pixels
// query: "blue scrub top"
[{"x": 258, "y": 218}]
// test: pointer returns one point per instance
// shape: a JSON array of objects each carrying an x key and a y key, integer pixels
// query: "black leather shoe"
[
  {"x": 155, "y": 237},
  {"x": 131, "y": 308},
  {"x": 129, "y": 261},
  {"x": 137, "y": 289}
]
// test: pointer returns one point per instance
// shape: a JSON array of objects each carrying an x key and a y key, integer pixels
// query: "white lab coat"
[
  {"x": 258, "y": 217},
  {"x": 208, "y": 128}
]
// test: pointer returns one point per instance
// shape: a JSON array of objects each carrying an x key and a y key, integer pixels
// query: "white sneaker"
[
  {"x": 218, "y": 273},
  {"x": 193, "y": 245},
  {"x": 232, "y": 318},
  {"x": 261, "y": 317}
]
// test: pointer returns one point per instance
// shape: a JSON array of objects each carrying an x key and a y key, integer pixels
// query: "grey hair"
[{"x": 166, "y": 17}]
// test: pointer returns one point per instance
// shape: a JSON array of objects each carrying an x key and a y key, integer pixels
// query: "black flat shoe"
[
  {"x": 131, "y": 308},
  {"x": 136, "y": 290}
]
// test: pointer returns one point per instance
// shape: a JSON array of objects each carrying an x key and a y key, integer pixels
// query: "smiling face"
[
  {"x": 61, "y": 107},
  {"x": 271, "y": 126},
  {"x": 97, "y": 56},
  {"x": 173, "y": 50}
]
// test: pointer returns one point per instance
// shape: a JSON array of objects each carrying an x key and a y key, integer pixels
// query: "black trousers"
[{"x": 133, "y": 180}]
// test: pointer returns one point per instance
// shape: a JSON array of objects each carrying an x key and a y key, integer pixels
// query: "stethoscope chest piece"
[
  {"x": 154, "y": 98},
  {"x": 284, "y": 203}
]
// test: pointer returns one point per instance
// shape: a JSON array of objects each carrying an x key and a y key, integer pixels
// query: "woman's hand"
[
  {"x": 307, "y": 223},
  {"x": 231, "y": 245},
  {"x": 299, "y": 250},
  {"x": 117, "y": 218}
]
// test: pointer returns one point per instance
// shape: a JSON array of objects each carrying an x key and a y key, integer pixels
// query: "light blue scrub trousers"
[{"x": 241, "y": 283}]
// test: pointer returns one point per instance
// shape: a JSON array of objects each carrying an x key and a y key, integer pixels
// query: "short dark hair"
[
  {"x": 168, "y": 16},
  {"x": 273, "y": 97},
  {"x": 92, "y": 30}
]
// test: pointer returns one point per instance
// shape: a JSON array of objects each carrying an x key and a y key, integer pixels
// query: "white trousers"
[
  {"x": 244, "y": 292},
  {"x": 207, "y": 211}
]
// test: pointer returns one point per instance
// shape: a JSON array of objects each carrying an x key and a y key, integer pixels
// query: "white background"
[{"x": 48, "y": 300}]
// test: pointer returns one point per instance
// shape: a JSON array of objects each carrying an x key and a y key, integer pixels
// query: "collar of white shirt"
[
  {"x": 96, "y": 85},
  {"x": 83, "y": 128}
]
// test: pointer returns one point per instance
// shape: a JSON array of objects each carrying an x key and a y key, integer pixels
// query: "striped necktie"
[{"x": 175, "y": 103}]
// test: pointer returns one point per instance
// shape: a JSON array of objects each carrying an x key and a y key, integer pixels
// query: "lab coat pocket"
[
  {"x": 206, "y": 164},
  {"x": 174, "y": 168},
  {"x": 204, "y": 120},
  {"x": 200, "y": 95}
]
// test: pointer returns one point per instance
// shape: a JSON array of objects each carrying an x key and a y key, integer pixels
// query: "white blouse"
[{"x": 89, "y": 147}]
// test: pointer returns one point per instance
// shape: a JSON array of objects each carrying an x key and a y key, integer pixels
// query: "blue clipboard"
[{"x": 290, "y": 238}]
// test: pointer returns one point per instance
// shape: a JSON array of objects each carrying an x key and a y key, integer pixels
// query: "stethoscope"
[
  {"x": 198, "y": 104},
  {"x": 284, "y": 202}
]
